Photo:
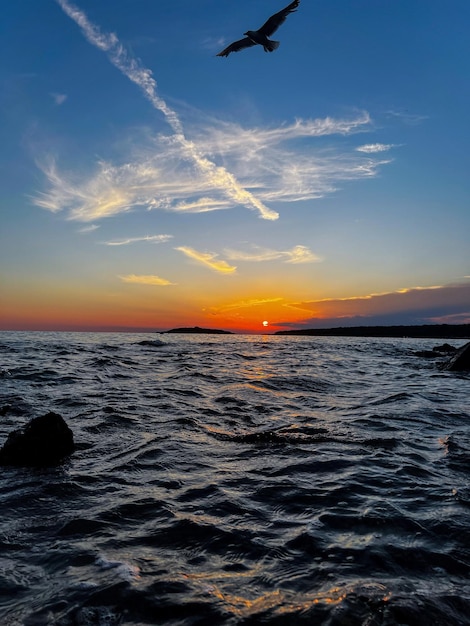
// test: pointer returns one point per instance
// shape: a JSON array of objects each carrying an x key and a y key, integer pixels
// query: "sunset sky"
[{"x": 147, "y": 183}]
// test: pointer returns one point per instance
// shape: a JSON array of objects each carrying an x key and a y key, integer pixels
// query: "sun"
[{"x": 265, "y": 323}]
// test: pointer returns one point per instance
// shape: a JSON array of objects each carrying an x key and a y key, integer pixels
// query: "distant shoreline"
[{"x": 427, "y": 331}]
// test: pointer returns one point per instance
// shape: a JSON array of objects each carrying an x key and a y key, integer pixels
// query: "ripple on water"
[{"x": 236, "y": 480}]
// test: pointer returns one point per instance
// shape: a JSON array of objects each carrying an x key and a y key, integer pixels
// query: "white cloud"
[
  {"x": 215, "y": 165},
  {"x": 268, "y": 162},
  {"x": 208, "y": 259},
  {"x": 298, "y": 254},
  {"x": 147, "y": 238},
  {"x": 202, "y": 205},
  {"x": 371, "y": 148},
  {"x": 153, "y": 281},
  {"x": 215, "y": 175},
  {"x": 301, "y": 254}
]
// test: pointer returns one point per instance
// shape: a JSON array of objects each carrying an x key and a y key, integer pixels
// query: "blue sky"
[{"x": 147, "y": 183}]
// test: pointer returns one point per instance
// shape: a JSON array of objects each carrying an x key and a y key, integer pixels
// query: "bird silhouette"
[{"x": 260, "y": 36}]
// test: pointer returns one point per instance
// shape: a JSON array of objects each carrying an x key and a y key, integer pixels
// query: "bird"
[{"x": 260, "y": 36}]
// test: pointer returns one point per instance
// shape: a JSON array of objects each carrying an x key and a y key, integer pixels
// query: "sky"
[{"x": 147, "y": 184}]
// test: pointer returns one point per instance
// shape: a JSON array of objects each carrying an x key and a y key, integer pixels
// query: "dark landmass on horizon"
[
  {"x": 197, "y": 329},
  {"x": 426, "y": 331}
]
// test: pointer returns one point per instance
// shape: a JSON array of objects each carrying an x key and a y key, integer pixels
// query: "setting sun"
[{"x": 265, "y": 323}]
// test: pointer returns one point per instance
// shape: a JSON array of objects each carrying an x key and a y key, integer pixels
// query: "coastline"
[{"x": 426, "y": 331}]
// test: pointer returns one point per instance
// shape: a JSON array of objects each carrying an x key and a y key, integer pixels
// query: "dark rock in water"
[
  {"x": 437, "y": 351},
  {"x": 44, "y": 441},
  {"x": 445, "y": 349},
  {"x": 460, "y": 361}
]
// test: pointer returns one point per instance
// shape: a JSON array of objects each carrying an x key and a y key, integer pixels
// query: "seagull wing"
[
  {"x": 236, "y": 46},
  {"x": 277, "y": 19}
]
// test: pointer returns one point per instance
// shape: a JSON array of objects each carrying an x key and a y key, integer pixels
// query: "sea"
[{"x": 236, "y": 480}]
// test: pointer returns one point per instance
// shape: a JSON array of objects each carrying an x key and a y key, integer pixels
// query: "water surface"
[{"x": 236, "y": 480}]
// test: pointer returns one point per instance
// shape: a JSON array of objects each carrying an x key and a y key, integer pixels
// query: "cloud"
[
  {"x": 417, "y": 305},
  {"x": 452, "y": 318},
  {"x": 147, "y": 238},
  {"x": 269, "y": 162},
  {"x": 207, "y": 259},
  {"x": 202, "y": 205},
  {"x": 88, "y": 229},
  {"x": 283, "y": 163},
  {"x": 215, "y": 175},
  {"x": 229, "y": 137},
  {"x": 59, "y": 98},
  {"x": 146, "y": 280},
  {"x": 244, "y": 304},
  {"x": 298, "y": 254},
  {"x": 210, "y": 165},
  {"x": 408, "y": 118},
  {"x": 371, "y": 148}
]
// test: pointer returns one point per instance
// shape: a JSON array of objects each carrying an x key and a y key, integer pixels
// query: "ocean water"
[{"x": 236, "y": 480}]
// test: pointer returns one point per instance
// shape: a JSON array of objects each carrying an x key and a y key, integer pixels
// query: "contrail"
[{"x": 143, "y": 78}]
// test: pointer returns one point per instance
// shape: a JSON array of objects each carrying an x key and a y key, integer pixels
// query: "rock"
[
  {"x": 445, "y": 349},
  {"x": 460, "y": 361},
  {"x": 437, "y": 352},
  {"x": 44, "y": 441},
  {"x": 198, "y": 330}
]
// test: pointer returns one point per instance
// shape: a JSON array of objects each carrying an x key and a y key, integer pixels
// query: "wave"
[{"x": 237, "y": 481}]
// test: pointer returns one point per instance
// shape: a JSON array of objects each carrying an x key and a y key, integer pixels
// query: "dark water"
[{"x": 236, "y": 480}]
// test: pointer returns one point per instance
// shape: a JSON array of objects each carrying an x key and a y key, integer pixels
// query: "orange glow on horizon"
[
  {"x": 64, "y": 308},
  {"x": 111, "y": 304}
]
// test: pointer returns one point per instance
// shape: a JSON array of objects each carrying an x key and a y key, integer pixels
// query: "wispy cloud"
[
  {"x": 59, "y": 98},
  {"x": 371, "y": 148},
  {"x": 266, "y": 161},
  {"x": 407, "y": 117},
  {"x": 202, "y": 205},
  {"x": 208, "y": 259},
  {"x": 298, "y": 254},
  {"x": 88, "y": 229},
  {"x": 142, "y": 279},
  {"x": 147, "y": 238},
  {"x": 281, "y": 164},
  {"x": 245, "y": 304},
  {"x": 210, "y": 165},
  {"x": 229, "y": 137},
  {"x": 215, "y": 175}
]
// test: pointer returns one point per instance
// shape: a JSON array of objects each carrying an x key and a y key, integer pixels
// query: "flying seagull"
[{"x": 260, "y": 36}]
